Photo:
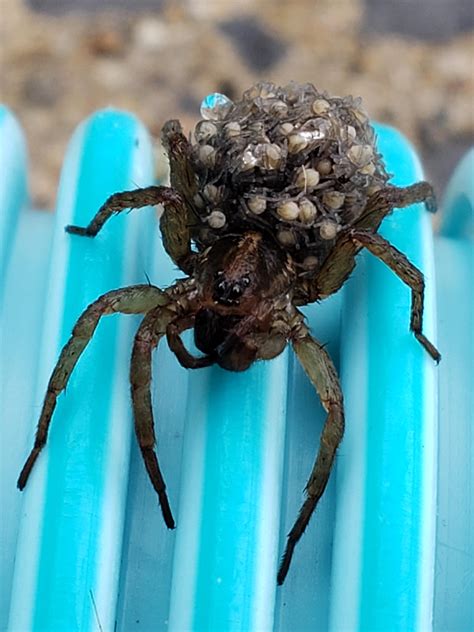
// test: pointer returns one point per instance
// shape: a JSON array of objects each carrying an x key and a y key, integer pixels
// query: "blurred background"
[{"x": 412, "y": 61}]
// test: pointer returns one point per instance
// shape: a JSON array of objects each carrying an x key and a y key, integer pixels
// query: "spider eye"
[
  {"x": 245, "y": 281},
  {"x": 228, "y": 292}
]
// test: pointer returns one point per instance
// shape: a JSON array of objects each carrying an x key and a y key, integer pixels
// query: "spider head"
[{"x": 238, "y": 271}]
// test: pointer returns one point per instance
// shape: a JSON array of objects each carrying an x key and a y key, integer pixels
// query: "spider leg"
[
  {"x": 135, "y": 299},
  {"x": 179, "y": 149},
  {"x": 408, "y": 273},
  {"x": 146, "y": 339},
  {"x": 384, "y": 201},
  {"x": 322, "y": 373},
  {"x": 173, "y": 222},
  {"x": 186, "y": 359},
  {"x": 413, "y": 194},
  {"x": 338, "y": 266}
]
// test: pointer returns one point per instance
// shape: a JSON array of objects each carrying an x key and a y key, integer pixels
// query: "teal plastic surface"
[
  {"x": 84, "y": 547},
  {"x": 454, "y": 252}
]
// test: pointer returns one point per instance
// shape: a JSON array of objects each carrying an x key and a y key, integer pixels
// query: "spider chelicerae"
[{"x": 269, "y": 204}]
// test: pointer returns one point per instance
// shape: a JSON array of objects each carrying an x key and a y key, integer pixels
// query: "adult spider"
[{"x": 267, "y": 210}]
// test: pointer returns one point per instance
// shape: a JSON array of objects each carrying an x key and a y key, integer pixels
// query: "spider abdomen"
[{"x": 292, "y": 161}]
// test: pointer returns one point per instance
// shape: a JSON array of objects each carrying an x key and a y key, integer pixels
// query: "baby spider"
[{"x": 269, "y": 205}]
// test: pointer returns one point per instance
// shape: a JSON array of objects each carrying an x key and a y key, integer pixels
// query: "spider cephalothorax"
[
  {"x": 242, "y": 281},
  {"x": 268, "y": 207}
]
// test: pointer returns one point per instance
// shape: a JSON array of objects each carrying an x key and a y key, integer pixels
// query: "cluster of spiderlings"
[{"x": 290, "y": 160}]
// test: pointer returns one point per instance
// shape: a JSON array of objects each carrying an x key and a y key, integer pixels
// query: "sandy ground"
[{"x": 57, "y": 69}]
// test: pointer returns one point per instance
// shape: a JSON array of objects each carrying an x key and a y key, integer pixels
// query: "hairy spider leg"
[
  {"x": 179, "y": 150},
  {"x": 413, "y": 194},
  {"x": 136, "y": 299},
  {"x": 151, "y": 329},
  {"x": 391, "y": 197},
  {"x": 186, "y": 359},
  {"x": 338, "y": 266},
  {"x": 340, "y": 263},
  {"x": 321, "y": 371},
  {"x": 173, "y": 223},
  {"x": 408, "y": 273}
]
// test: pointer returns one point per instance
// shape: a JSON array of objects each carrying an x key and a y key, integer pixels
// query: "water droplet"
[{"x": 215, "y": 106}]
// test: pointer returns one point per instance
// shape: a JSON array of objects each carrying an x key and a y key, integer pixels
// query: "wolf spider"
[{"x": 241, "y": 296}]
